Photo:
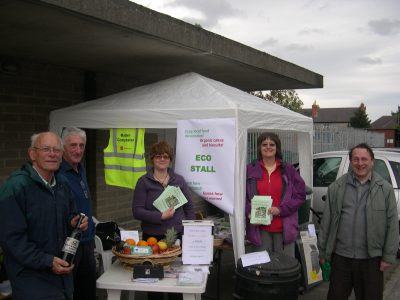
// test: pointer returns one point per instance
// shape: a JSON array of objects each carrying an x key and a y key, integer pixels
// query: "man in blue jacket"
[
  {"x": 74, "y": 140},
  {"x": 36, "y": 215}
]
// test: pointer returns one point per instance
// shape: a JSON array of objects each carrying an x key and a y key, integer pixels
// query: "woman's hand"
[
  {"x": 274, "y": 211},
  {"x": 168, "y": 214}
]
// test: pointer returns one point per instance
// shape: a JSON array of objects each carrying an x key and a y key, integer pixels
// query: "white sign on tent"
[{"x": 205, "y": 157}]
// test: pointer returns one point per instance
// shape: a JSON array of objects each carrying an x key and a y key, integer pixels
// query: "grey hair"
[
  {"x": 35, "y": 137},
  {"x": 73, "y": 131}
]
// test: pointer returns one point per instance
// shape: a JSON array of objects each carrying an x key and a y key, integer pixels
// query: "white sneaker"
[{"x": 5, "y": 288}]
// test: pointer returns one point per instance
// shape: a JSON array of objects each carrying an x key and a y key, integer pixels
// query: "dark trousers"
[
  {"x": 158, "y": 296},
  {"x": 85, "y": 272},
  {"x": 361, "y": 274}
]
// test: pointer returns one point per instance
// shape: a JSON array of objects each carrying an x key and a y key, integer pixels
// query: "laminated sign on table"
[{"x": 197, "y": 242}]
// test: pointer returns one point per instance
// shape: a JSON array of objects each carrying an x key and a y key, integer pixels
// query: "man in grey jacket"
[{"x": 359, "y": 233}]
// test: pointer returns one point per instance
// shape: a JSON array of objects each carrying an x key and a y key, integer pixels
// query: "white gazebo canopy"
[{"x": 192, "y": 96}]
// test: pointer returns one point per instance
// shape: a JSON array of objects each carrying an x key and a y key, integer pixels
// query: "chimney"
[{"x": 314, "y": 110}]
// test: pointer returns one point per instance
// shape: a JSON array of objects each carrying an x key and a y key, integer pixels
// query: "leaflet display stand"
[{"x": 308, "y": 255}]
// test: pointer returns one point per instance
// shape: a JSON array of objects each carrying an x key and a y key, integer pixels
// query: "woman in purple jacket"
[
  {"x": 150, "y": 186},
  {"x": 270, "y": 176}
]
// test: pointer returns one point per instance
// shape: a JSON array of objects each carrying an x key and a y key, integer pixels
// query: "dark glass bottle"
[
  {"x": 72, "y": 242},
  {"x": 119, "y": 245}
]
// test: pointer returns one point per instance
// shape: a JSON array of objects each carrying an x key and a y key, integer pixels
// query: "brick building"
[
  {"x": 57, "y": 53},
  {"x": 390, "y": 126},
  {"x": 336, "y": 116}
]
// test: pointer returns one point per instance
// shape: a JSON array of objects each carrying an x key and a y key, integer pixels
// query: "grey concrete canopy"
[{"x": 124, "y": 38}]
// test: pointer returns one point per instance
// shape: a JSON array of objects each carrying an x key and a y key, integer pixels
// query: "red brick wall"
[
  {"x": 390, "y": 138},
  {"x": 27, "y": 98}
]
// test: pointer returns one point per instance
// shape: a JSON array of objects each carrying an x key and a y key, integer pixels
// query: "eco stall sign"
[{"x": 205, "y": 157}]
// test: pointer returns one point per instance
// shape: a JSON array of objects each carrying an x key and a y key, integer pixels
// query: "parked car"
[{"x": 329, "y": 166}]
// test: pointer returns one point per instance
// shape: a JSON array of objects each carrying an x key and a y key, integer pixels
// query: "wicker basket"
[
  {"x": 218, "y": 242},
  {"x": 162, "y": 259}
]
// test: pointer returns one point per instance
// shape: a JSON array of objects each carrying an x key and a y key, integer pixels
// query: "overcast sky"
[{"x": 354, "y": 45}]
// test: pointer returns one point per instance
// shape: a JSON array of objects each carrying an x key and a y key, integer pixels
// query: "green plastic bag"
[{"x": 326, "y": 271}]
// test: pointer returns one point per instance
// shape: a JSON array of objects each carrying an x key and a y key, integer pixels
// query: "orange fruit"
[
  {"x": 142, "y": 243},
  {"x": 130, "y": 242},
  {"x": 151, "y": 241}
]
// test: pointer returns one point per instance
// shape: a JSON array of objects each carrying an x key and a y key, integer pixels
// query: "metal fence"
[
  {"x": 288, "y": 141},
  {"x": 333, "y": 138},
  {"x": 325, "y": 138}
]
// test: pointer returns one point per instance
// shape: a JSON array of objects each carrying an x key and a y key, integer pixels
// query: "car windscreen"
[
  {"x": 325, "y": 170},
  {"x": 396, "y": 171},
  {"x": 381, "y": 168}
]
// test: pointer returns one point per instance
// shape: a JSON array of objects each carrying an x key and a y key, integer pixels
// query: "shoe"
[{"x": 5, "y": 288}]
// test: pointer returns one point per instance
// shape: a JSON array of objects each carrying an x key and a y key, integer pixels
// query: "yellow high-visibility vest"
[{"x": 124, "y": 161}]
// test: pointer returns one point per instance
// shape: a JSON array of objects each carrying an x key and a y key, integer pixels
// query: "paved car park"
[
  {"x": 318, "y": 292},
  {"x": 227, "y": 284}
]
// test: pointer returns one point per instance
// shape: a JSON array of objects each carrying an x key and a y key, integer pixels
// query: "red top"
[{"x": 271, "y": 185}]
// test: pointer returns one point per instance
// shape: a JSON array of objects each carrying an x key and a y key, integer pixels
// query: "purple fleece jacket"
[
  {"x": 293, "y": 196},
  {"x": 146, "y": 191}
]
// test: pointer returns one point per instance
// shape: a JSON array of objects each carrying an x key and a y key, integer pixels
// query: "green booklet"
[
  {"x": 171, "y": 197},
  {"x": 259, "y": 210}
]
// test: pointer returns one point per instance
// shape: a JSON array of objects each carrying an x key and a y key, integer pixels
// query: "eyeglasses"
[
  {"x": 362, "y": 159},
  {"x": 163, "y": 156},
  {"x": 48, "y": 149},
  {"x": 268, "y": 145}
]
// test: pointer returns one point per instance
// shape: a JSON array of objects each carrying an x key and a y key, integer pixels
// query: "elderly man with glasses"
[{"x": 37, "y": 213}]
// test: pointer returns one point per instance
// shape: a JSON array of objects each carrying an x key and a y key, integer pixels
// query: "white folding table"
[{"x": 117, "y": 279}]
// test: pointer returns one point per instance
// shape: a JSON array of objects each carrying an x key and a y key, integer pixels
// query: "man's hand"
[
  {"x": 384, "y": 266},
  {"x": 61, "y": 266},
  {"x": 84, "y": 223},
  {"x": 168, "y": 214}
]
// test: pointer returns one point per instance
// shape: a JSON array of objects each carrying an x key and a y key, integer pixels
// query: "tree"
[
  {"x": 397, "y": 114},
  {"x": 360, "y": 118},
  {"x": 286, "y": 98}
]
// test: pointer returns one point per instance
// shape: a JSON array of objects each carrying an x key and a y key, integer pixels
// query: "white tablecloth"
[{"x": 117, "y": 279}]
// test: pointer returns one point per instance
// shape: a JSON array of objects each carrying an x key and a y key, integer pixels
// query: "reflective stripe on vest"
[{"x": 124, "y": 160}]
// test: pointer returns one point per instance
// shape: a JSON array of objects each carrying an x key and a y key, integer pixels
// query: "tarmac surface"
[{"x": 227, "y": 283}]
